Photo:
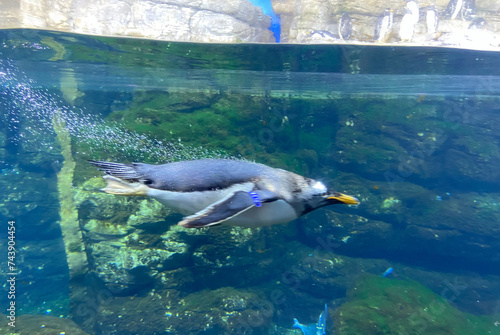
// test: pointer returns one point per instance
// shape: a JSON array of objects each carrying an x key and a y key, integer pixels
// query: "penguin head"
[{"x": 320, "y": 196}]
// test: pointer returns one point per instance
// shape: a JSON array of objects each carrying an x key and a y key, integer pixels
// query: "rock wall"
[
  {"x": 175, "y": 20},
  {"x": 300, "y": 19}
]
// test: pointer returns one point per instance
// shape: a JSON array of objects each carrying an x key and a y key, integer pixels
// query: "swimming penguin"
[
  {"x": 222, "y": 191},
  {"x": 431, "y": 19},
  {"x": 345, "y": 27},
  {"x": 383, "y": 26}
]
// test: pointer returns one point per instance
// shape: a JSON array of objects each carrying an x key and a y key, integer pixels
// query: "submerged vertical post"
[{"x": 72, "y": 235}]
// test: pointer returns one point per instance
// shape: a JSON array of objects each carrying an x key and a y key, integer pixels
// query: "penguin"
[
  {"x": 478, "y": 23},
  {"x": 345, "y": 27},
  {"x": 407, "y": 27},
  {"x": 453, "y": 8},
  {"x": 222, "y": 191},
  {"x": 431, "y": 19},
  {"x": 468, "y": 12},
  {"x": 383, "y": 26},
  {"x": 410, "y": 19},
  {"x": 322, "y": 33},
  {"x": 413, "y": 9}
]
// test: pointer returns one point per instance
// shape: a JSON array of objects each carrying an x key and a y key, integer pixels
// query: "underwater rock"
[
  {"x": 351, "y": 235},
  {"x": 239, "y": 257},
  {"x": 396, "y": 223},
  {"x": 389, "y": 306},
  {"x": 40, "y": 324},
  {"x": 125, "y": 269},
  {"x": 229, "y": 310},
  {"x": 318, "y": 274},
  {"x": 473, "y": 159},
  {"x": 223, "y": 258},
  {"x": 181, "y": 279},
  {"x": 393, "y": 137},
  {"x": 206, "y": 118},
  {"x": 155, "y": 107},
  {"x": 220, "y": 311},
  {"x": 420, "y": 226},
  {"x": 101, "y": 230},
  {"x": 136, "y": 314}
]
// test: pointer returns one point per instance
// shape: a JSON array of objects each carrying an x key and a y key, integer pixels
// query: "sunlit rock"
[
  {"x": 181, "y": 20},
  {"x": 300, "y": 19}
]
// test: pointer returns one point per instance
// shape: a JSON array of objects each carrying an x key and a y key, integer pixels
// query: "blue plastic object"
[
  {"x": 387, "y": 272},
  {"x": 314, "y": 328},
  {"x": 256, "y": 199}
]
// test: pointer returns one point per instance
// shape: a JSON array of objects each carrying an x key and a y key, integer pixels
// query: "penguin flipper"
[{"x": 227, "y": 208}]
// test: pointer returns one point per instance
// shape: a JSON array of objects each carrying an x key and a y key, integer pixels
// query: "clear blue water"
[{"x": 411, "y": 132}]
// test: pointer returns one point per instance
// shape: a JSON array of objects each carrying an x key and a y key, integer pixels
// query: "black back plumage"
[{"x": 188, "y": 176}]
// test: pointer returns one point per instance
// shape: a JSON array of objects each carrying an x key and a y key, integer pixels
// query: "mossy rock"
[
  {"x": 379, "y": 306},
  {"x": 222, "y": 311},
  {"x": 41, "y": 324}
]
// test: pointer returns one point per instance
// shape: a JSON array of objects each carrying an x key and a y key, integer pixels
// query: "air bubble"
[{"x": 36, "y": 107}]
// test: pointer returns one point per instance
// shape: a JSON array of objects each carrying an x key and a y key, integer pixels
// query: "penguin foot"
[{"x": 122, "y": 187}]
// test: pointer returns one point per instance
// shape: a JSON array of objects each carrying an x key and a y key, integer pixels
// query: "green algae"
[
  {"x": 225, "y": 298},
  {"x": 379, "y": 305},
  {"x": 57, "y": 47}
]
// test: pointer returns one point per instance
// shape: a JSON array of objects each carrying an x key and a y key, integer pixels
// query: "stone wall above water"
[
  {"x": 174, "y": 20},
  {"x": 302, "y": 21},
  {"x": 317, "y": 21}
]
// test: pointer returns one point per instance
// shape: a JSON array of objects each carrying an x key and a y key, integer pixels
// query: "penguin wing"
[{"x": 227, "y": 208}]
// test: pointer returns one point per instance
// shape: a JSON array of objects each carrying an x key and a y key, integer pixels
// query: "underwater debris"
[
  {"x": 314, "y": 328},
  {"x": 387, "y": 272}
]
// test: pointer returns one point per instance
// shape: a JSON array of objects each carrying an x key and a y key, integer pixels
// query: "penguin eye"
[{"x": 146, "y": 181}]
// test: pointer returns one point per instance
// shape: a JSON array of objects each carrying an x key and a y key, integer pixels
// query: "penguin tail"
[{"x": 118, "y": 170}]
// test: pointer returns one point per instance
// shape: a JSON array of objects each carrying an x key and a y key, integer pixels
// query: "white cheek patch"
[{"x": 319, "y": 187}]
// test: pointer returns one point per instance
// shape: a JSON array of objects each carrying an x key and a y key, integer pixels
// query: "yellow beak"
[{"x": 345, "y": 199}]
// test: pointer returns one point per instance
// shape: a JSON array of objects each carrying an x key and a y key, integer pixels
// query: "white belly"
[
  {"x": 188, "y": 203},
  {"x": 191, "y": 202},
  {"x": 270, "y": 213}
]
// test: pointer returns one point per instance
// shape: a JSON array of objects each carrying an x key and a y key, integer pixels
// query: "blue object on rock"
[
  {"x": 387, "y": 272},
  {"x": 267, "y": 9},
  {"x": 314, "y": 328}
]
